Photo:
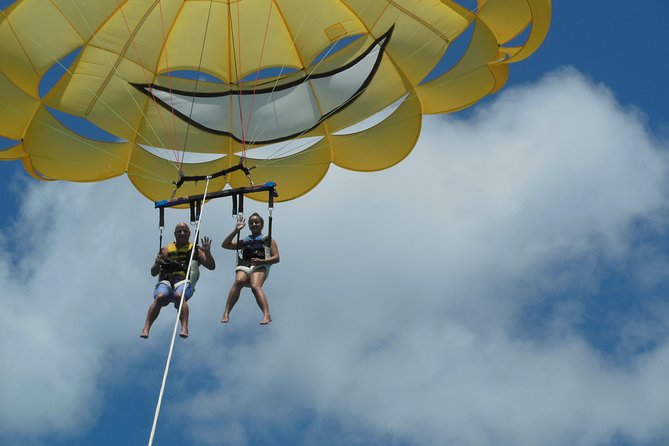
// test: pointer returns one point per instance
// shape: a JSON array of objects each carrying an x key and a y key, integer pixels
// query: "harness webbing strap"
[
  {"x": 183, "y": 178},
  {"x": 269, "y": 228},
  {"x": 161, "y": 226},
  {"x": 270, "y": 208},
  {"x": 191, "y": 205},
  {"x": 176, "y": 322},
  {"x": 241, "y": 214}
]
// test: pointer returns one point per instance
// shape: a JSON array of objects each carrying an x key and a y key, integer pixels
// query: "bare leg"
[
  {"x": 233, "y": 295},
  {"x": 183, "y": 317},
  {"x": 185, "y": 311},
  {"x": 152, "y": 314},
  {"x": 257, "y": 280}
]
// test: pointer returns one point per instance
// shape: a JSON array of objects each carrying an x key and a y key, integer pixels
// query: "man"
[
  {"x": 171, "y": 265},
  {"x": 258, "y": 254}
]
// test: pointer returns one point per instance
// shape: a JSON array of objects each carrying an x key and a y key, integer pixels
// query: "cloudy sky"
[{"x": 505, "y": 285}]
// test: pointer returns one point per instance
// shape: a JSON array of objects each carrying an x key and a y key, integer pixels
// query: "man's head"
[{"x": 182, "y": 233}]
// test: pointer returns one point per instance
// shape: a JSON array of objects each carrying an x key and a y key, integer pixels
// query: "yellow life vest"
[{"x": 175, "y": 269}]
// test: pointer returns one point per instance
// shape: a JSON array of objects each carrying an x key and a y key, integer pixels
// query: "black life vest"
[{"x": 254, "y": 247}]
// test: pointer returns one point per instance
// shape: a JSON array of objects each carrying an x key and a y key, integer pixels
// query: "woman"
[{"x": 258, "y": 253}]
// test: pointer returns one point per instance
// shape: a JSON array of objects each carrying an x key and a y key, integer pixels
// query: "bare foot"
[
  {"x": 226, "y": 318},
  {"x": 266, "y": 319},
  {"x": 183, "y": 334},
  {"x": 144, "y": 334}
]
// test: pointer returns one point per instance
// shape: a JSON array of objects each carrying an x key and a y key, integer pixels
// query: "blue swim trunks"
[{"x": 164, "y": 287}]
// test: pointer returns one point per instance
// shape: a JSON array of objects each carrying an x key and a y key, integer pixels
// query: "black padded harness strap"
[{"x": 183, "y": 178}]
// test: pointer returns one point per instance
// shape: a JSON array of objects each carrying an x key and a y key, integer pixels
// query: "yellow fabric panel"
[
  {"x": 58, "y": 153},
  {"x": 482, "y": 50},
  {"x": 345, "y": 55},
  {"x": 382, "y": 146},
  {"x": 28, "y": 166},
  {"x": 541, "y": 17},
  {"x": 137, "y": 31},
  {"x": 501, "y": 74},
  {"x": 16, "y": 109},
  {"x": 308, "y": 25},
  {"x": 505, "y": 18},
  {"x": 464, "y": 12},
  {"x": 89, "y": 85},
  {"x": 76, "y": 90},
  {"x": 446, "y": 96},
  {"x": 154, "y": 177},
  {"x": 188, "y": 32},
  {"x": 251, "y": 20},
  {"x": 117, "y": 31},
  {"x": 86, "y": 16},
  {"x": 468, "y": 81},
  {"x": 13, "y": 153},
  {"x": 295, "y": 175},
  {"x": 368, "y": 12},
  {"x": 422, "y": 32},
  {"x": 509, "y": 18},
  {"x": 110, "y": 103},
  {"x": 32, "y": 43},
  {"x": 14, "y": 62},
  {"x": 235, "y": 45}
]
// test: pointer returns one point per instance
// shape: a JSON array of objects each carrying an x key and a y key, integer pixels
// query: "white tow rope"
[{"x": 176, "y": 323}]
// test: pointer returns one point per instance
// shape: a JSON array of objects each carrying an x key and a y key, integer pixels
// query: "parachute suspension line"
[
  {"x": 114, "y": 67},
  {"x": 197, "y": 81},
  {"x": 164, "y": 126},
  {"x": 245, "y": 128},
  {"x": 169, "y": 82},
  {"x": 280, "y": 149},
  {"x": 245, "y": 131},
  {"x": 176, "y": 323},
  {"x": 237, "y": 69},
  {"x": 237, "y": 61},
  {"x": 276, "y": 81}
]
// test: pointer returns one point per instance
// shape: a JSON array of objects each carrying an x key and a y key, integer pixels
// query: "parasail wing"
[{"x": 156, "y": 89}]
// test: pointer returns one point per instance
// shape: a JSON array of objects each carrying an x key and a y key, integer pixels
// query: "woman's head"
[{"x": 256, "y": 223}]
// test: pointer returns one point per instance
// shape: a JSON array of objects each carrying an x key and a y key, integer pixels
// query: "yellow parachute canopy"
[{"x": 90, "y": 90}]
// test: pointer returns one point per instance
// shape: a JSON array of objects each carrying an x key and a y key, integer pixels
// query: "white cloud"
[{"x": 396, "y": 301}]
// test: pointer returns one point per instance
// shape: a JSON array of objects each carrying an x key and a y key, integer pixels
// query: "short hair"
[
  {"x": 181, "y": 224},
  {"x": 255, "y": 214}
]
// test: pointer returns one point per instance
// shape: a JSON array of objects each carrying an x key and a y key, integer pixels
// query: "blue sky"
[{"x": 515, "y": 295}]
